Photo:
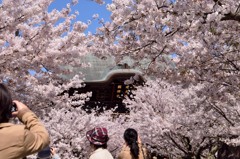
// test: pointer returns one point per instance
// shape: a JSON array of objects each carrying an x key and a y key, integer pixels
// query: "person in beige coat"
[
  {"x": 19, "y": 141},
  {"x": 132, "y": 149}
]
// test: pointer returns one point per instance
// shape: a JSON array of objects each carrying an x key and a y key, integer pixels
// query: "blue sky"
[{"x": 86, "y": 9}]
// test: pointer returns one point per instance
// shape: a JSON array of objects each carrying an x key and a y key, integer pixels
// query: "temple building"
[{"x": 108, "y": 83}]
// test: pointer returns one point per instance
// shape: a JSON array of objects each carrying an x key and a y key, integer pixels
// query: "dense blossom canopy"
[
  {"x": 201, "y": 37},
  {"x": 33, "y": 39}
]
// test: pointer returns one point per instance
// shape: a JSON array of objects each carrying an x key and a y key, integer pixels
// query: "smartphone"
[{"x": 14, "y": 107}]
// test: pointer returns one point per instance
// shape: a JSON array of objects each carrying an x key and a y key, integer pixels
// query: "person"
[
  {"x": 132, "y": 149},
  {"x": 19, "y": 141},
  {"x": 98, "y": 138},
  {"x": 48, "y": 153}
]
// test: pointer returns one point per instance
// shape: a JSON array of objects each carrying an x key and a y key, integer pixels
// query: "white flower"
[
  {"x": 111, "y": 7},
  {"x": 95, "y": 16}
]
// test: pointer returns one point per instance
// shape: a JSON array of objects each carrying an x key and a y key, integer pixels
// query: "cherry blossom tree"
[
  {"x": 179, "y": 123},
  {"x": 192, "y": 43},
  {"x": 33, "y": 38},
  {"x": 156, "y": 113},
  {"x": 44, "y": 42},
  {"x": 188, "y": 41},
  {"x": 171, "y": 121}
]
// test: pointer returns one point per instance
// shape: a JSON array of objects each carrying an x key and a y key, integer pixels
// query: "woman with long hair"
[{"x": 132, "y": 149}]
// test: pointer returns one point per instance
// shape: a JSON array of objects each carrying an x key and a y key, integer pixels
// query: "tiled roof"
[{"x": 98, "y": 69}]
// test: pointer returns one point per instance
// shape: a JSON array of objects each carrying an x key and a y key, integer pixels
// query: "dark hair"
[
  {"x": 131, "y": 138},
  {"x": 99, "y": 146},
  {"x": 5, "y": 104},
  {"x": 228, "y": 151}
]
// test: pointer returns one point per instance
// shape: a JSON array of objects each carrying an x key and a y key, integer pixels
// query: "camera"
[{"x": 14, "y": 107}]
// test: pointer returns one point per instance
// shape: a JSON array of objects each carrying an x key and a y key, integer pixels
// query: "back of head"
[
  {"x": 5, "y": 103},
  {"x": 44, "y": 153},
  {"x": 131, "y": 138},
  {"x": 98, "y": 137}
]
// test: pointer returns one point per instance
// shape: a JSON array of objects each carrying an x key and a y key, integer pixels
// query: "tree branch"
[
  {"x": 156, "y": 56},
  {"x": 146, "y": 45},
  {"x": 231, "y": 16},
  {"x": 221, "y": 113},
  {"x": 178, "y": 146}
]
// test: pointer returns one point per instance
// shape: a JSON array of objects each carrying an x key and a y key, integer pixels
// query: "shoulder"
[
  {"x": 12, "y": 137},
  {"x": 13, "y": 134},
  {"x": 124, "y": 153},
  {"x": 11, "y": 131},
  {"x": 101, "y": 154}
]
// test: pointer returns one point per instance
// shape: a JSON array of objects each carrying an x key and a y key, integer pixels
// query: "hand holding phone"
[
  {"x": 19, "y": 107},
  {"x": 14, "y": 107}
]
